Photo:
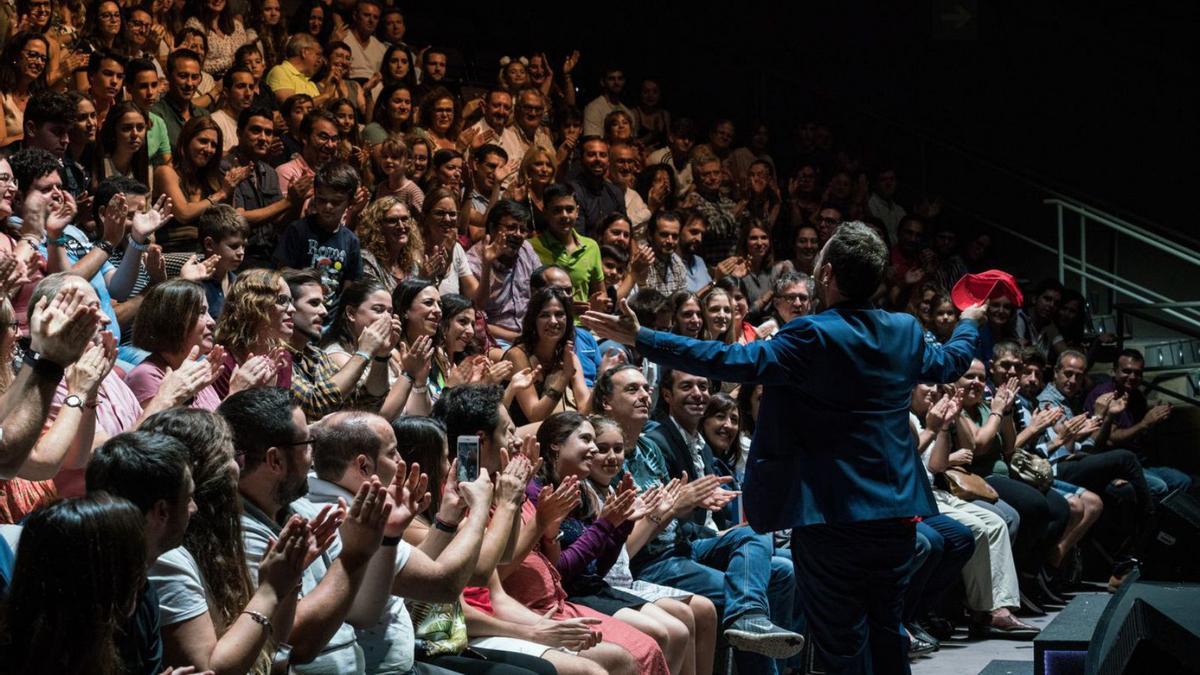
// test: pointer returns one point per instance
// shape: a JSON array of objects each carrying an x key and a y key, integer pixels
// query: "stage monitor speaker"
[
  {"x": 1173, "y": 553},
  {"x": 1148, "y": 627}
]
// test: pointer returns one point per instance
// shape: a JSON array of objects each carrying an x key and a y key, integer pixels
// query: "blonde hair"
[
  {"x": 247, "y": 310},
  {"x": 8, "y": 316},
  {"x": 370, "y": 233}
]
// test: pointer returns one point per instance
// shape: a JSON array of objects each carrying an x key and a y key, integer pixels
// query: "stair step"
[
  {"x": 1002, "y": 667},
  {"x": 1063, "y": 644}
]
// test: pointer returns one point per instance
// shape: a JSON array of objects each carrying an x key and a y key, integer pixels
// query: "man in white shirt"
[
  {"x": 882, "y": 203},
  {"x": 493, "y": 129},
  {"x": 624, "y": 166},
  {"x": 612, "y": 83},
  {"x": 366, "y": 52},
  {"x": 240, "y": 91},
  {"x": 680, "y": 138}
]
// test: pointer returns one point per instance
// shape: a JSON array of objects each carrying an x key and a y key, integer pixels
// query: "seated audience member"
[
  {"x": 478, "y": 410},
  {"x": 503, "y": 263},
  {"x": 446, "y": 171},
  {"x": 754, "y": 267},
  {"x": 419, "y": 306},
  {"x": 987, "y": 429},
  {"x": 791, "y": 297},
  {"x": 624, "y": 167},
  {"x": 318, "y": 384},
  {"x": 194, "y": 181},
  {"x": 292, "y": 75},
  {"x": 943, "y": 316},
  {"x": 257, "y": 321},
  {"x": 1035, "y": 324},
  {"x": 719, "y": 321},
  {"x": 31, "y": 465},
  {"x": 353, "y": 449},
  {"x": 274, "y": 444},
  {"x": 293, "y": 111},
  {"x": 623, "y": 394},
  {"x": 687, "y": 314},
  {"x": 266, "y": 207},
  {"x": 546, "y": 345},
  {"x": 595, "y": 194},
  {"x": 422, "y": 441},
  {"x": 176, "y": 107},
  {"x": 364, "y": 317},
  {"x": 105, "y": 75},
  {"x": 808, "y": 245},
  {"x": 222, "y": 232},
  {"x": 121, "y": 145},
  {"x": 562, "y": 245},
  {"x": 655, "y": 184},
  {"x": 212, "y": 615},
  {"x": 528, "y": 125},
  {"x": 691, "y": 242},
  {"x": 658, "y": 504},
  {"x": 321, "y": 241},
  {"x": 612, "y": 84},
  {"x": 390, "y": 241},
  {"x": 486, "y": 164},
  {"x": 391, "y": 162},
  {"x": 239, "y": 90},
  {"x": 142, "y": 84},
  {"x": 49, "y": 122},
  {"x": 58, "y": 619},
  {"x": 590, "y": 539},
  {"x": 318, "y": 135},
  {"x": 441, "y": 117},
  {"x": 720, "y": 239},
  {"x": 445, "y": 258},
  {"x": 668, "y": 274},
  {"x": 1134, "y": 420},
  {"x": 680, "y": 137},
  {"x": 493, "y": 129},
  {"x": 250, "y": 57},
  {"x": 173, "y": 324},
  {"x": 392, "y": 114},
  {"x": 586, "y": 347},
  {"x": 151, "y": 471},
  {"x": 615, "y": 230},
  {"x": 990, "y": 573}
]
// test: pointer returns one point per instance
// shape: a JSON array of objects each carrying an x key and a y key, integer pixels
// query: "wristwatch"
[
  {"x": 41, "y": 364},
  {"x": 105, "y": 246},
  {"x": 73, "y": 401}
]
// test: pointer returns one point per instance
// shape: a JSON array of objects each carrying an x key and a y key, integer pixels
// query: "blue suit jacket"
[{"x": 832, "y": 442}]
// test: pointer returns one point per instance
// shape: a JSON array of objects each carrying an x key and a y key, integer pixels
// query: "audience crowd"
[{"x": 294, "y": 381}]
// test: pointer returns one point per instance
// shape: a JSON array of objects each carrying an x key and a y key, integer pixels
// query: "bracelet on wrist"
[
  {"x": 382, "y": 359},
  {"x": 261, "y": 619},
  {"x": 363, "y": 355},
  {"x": 442, "y": 525},
  {"x": 390, "y": 541},
  {"x": 136, "y": 246}
]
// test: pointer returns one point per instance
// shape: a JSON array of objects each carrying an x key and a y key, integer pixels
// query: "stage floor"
[{"x": 960, "y": 656}]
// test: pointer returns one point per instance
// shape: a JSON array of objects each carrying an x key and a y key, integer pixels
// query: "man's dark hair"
[
  {"x": 227, "y": 81},
  {"x": 98, "y": 58},
  {"x": 537, "y": 278},
  {"x": 254, "y": 111},
  {"x": 1047, "y": 284},
  {"x": 112, "y": 186},
  {"x": 1006, "y": 347},
  {"x": 181, "y": 55},
  {"x": 295, "y": 279},
  {"x": 558, "y": 191},
  {"x": 507, "y": 207},
  {"x": 470, "y": 408},
  {"x": 48, "y": 106},
  {"x": 1131, "y": 354},
  {"x": 647, "y": 304},
  {"x": 859, "y": 259},
  {"x": 1031, "y": 356},
  {"x": 489, "y": 149},
  {"x": 30, "y": 164},
  {"x": 306, "y": 125},
  {"x": 136, "y": 66},
  {"x": 591, "y": 138},
  {"x": 659, "y": 216},
  {"x": 682, "y": 127},
  {"x": 338, "y": 441},
  {"x": 338, "y": 176},
  {"x": 603, "y": 391},
  {"x": 140, "y": 466},
  {"x": 610, "y": 251},
  {"x": 259, "y": 418}
]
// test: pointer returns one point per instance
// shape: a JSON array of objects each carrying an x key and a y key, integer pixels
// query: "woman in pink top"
[
  {"x": 254, "y": 327},
  {"x": 173, "y": 324}
]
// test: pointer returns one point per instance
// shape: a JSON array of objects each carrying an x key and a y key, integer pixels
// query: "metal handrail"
[{"x": 1128, "y": 229}]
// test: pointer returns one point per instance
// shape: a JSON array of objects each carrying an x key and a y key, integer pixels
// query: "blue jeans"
[
  {"x": 852, "y": 578},
  {"x": 1163, "y": 480},
  {"x": 950, "y": 546},
  {"x": 738, "y": 572}
]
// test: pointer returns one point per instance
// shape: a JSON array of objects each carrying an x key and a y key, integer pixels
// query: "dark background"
[{"x": 1095, "y": 99}]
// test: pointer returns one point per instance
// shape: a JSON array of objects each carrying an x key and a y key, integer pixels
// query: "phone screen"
[{"x": 468, "y": 458}]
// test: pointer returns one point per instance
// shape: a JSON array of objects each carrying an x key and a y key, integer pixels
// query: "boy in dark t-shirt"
[{"x": 320, "y": 241}]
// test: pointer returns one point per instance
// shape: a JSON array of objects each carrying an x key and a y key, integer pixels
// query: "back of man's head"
[
  {"x": 469, "y": 409},
  {"x": 49, "y": 106},
  {"x": 140, "y": 466},
  {"x": 259, "y": 419},
  {"x": 339, "y": 177},
  {"x": 341, "y": 437},
  {"x": 646, "y": 305},
  {"x": 859, "y": 260}
]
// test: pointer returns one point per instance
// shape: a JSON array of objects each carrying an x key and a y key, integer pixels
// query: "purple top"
[{"x": 589, "y": 548}]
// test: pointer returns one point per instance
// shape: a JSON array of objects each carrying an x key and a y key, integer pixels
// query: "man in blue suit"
[{"x": 833, "y": 456}]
